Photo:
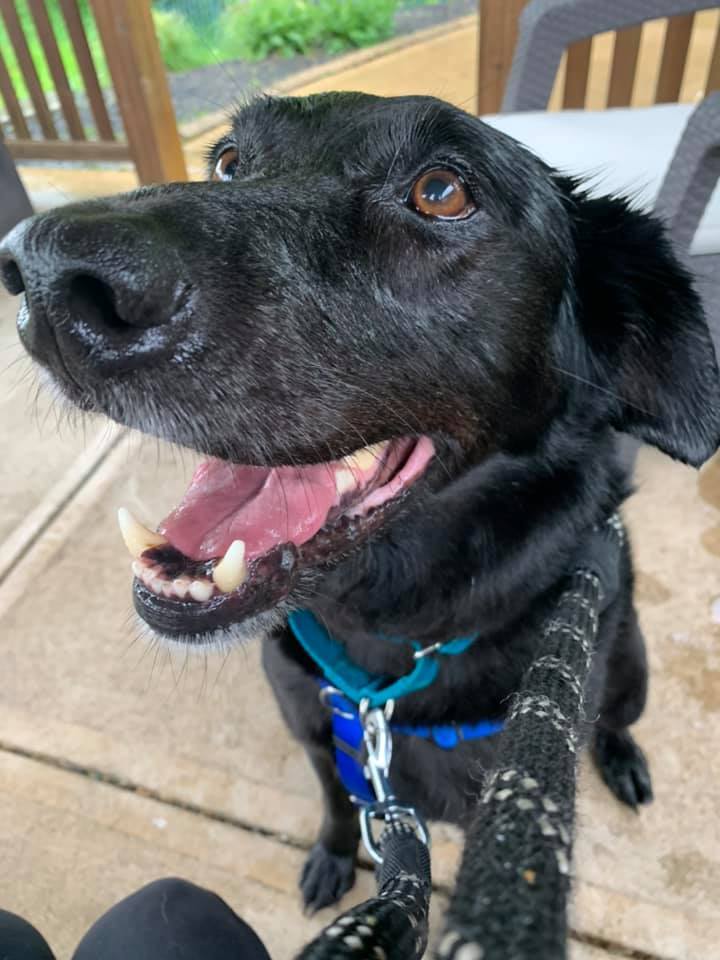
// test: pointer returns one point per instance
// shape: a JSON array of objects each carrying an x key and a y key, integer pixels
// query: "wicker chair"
[{"x": 667, "y": 156}]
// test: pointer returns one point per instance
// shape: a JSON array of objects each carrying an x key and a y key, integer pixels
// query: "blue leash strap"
[{"x": 347, "y": 735}]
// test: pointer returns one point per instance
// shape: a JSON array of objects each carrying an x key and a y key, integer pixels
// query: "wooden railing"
[
  {"x": 149, "y": 136},
  {"x": 498, "y": 35}
]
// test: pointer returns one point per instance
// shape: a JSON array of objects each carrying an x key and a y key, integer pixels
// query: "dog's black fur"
[{"x": 304, "y": 310}]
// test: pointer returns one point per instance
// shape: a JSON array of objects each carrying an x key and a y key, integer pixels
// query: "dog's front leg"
[{"x": 329, "y": 870}]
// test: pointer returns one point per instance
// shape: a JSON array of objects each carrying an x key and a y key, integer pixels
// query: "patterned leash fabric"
[
  {"x": 511, "y": 893},
  {"x": 394, "y": 924}
]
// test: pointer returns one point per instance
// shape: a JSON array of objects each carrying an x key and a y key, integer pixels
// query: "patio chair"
[
  {"x": 666, "y": 156},
  {"x": 15, "y": 204}
]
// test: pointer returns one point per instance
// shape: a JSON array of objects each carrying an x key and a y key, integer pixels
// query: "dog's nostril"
[
  {"x": 93, "y": 300},
  {"x": 11, "y": 277}
]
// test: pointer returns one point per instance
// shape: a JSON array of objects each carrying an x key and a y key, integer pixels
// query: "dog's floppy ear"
[{"x": 647, "y": 344}]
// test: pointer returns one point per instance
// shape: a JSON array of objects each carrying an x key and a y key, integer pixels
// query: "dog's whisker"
[
  {"x": 226, "y": 657},
  {"x": 596, "y": 386},
  {"x": 203, "y": 685},
  {"x": 184, "y": 667},
  {"x": 152, "y": 668}
]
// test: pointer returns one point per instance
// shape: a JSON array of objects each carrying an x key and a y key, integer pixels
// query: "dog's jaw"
[{"x": 251, "y": 542}]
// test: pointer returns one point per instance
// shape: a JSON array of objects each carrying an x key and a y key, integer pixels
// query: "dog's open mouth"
[{"x": 236, "y": 544}]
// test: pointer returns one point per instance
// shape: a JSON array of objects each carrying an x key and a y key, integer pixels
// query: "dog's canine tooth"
[
  {"x": 201, "y": 590},
  {"x": 231, "y": 571},
  {"x": 137, "y": 538},
  {"x": 344, "y": 480},
  {"x": 366, "y": 458}
]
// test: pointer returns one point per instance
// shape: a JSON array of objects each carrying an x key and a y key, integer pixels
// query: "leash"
[{"x": 511, "y": 893}]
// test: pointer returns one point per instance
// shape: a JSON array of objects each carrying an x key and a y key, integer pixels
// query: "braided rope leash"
[
  {"x": 394, "y": 924},
  {"x": 512, "y": 887}
]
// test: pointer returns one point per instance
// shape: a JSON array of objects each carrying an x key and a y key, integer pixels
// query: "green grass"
[{"x": 247, "y": 29}]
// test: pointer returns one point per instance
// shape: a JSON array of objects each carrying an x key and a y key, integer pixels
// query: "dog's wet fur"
[{"x": 304, "y": 309}]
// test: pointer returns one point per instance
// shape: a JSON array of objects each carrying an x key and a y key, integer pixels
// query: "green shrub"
[
  {"x": 67, "y": 53},
  {"x": 257, "y": 28},
  {"x": 355, "y": 23},
  {"x": 180, "y": 46}
]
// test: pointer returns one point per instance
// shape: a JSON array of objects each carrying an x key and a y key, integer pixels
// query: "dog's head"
[{"x": 366, "y": 299}]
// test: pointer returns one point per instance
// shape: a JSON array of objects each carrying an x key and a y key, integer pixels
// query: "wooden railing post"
[
  {"x": 498, "y": 36},
  {"x": 133, "y": 56}
]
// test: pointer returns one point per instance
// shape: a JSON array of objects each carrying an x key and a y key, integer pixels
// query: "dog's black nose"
[{"x": 102, "y": 291}]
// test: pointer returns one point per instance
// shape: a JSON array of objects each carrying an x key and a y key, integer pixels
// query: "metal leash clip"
[{"x": 378, "y": 743}]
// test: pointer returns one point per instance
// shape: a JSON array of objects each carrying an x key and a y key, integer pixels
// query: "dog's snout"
[{"x": 102, "y": 292}]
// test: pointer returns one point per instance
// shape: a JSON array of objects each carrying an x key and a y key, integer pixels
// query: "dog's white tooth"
[
  {"x": 232, "y": 569},
  {"x": 367, "y": 458},
  {"x": 181, "y": 585},
  {"x": 201, "y": 590},
  {"x": 167, "y": 589},
  {"x": 156, "y": 585},
  {"x": 137, "y": 538},
  {"x": 138, "y": 568},
  {"x": 344, "y": 481}
]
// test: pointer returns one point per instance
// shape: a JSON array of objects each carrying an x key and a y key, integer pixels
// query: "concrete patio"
[{"x": 121, "y": 763}]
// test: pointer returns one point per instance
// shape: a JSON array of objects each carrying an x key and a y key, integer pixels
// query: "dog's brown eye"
[
  {"x": 226, "y": 167},
  {"x": 441, "y": 194}
]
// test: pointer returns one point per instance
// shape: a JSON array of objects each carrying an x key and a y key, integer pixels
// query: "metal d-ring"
[
  {"x": 325, "y": 694},
  {"x": 426, "y": 651}
]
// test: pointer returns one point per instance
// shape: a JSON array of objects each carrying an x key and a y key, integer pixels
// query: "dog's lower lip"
[{"x": 270, "y": 581}]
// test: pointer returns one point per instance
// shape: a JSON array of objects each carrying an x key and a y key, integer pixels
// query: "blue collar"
[
  {"x": 355, "y": 682},
  {"x": 349, "y": 684}
]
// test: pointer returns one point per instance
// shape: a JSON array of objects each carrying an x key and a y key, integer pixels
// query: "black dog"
[{"x": 392, "y": 273}]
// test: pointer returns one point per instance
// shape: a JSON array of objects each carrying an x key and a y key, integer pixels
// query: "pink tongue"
[{"x": 264, "y": 507}]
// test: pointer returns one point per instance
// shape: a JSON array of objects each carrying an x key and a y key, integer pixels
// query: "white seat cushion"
[{"x": 623, "y": 150}]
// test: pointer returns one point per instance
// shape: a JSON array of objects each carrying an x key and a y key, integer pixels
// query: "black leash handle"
[
  {"x": 511, "y": 894},
  {"x": 394, "y": 924},
  {"x": 510, "y": 900}
]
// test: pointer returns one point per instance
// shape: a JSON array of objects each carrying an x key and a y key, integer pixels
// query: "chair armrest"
[
  {"x": 548, "y": 27},
  {"x": 15, "y": 202},
  {"x": 693, "y": 173}
]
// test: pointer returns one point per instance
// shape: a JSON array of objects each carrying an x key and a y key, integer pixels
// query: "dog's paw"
[
  {"x": 325, "y": 878},
  {"x": 623, "y": 767}
]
